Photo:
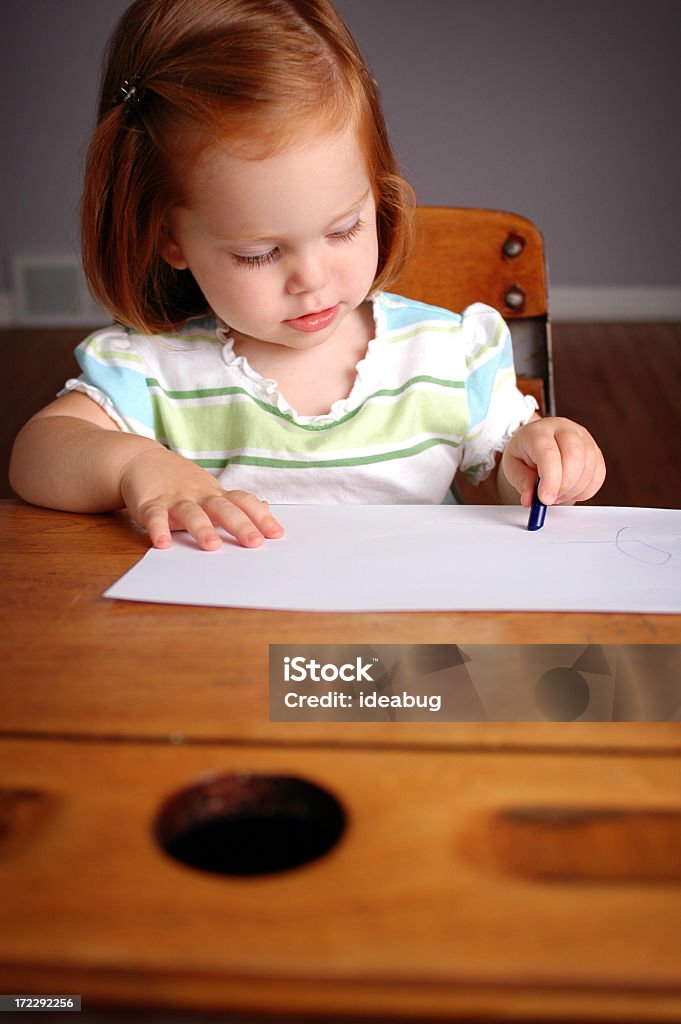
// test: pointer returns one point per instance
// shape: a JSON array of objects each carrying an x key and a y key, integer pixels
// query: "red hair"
[{"x": 251, "y": 73}]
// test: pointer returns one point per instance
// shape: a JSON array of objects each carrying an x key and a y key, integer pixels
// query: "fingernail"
[
  {"x": 254, "y": 538},
  {"x": 163, "y": 541},
  {"x": 273, "y": 528}
]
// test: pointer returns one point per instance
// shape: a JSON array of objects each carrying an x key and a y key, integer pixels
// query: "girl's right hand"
[{"x": 165, "y": 492}]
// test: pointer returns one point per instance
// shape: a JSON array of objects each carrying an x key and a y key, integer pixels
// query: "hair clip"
[{"x": 131, "y": 93}]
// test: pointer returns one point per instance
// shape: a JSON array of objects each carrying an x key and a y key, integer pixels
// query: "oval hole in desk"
[
  {"x": 247, "y": 824},
  {"x": 579, "y": 844},
  {"x": 562, "y": 694}
]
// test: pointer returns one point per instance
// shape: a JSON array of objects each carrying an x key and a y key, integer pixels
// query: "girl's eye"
[
  {"x": 264, "y": 258},
  {"x": 349, "y": 233},
  {"x": 261, "y": 259}
]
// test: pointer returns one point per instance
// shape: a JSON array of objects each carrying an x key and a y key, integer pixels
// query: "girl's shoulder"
[
  {"x": 397, "y": 313},
  {"x": 118, "y": 338}
]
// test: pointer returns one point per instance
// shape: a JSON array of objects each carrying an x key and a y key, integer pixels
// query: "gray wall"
[{"x": 566, "y": 111}]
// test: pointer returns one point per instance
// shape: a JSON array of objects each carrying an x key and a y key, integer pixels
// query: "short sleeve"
[
  {"x": 495, "y": 405},
  {"x": 114, "y": 377}
]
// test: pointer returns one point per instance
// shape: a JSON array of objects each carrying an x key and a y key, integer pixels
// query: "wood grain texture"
[
  {"x": 570, "y": 842},
  {"x": 402, "y": 917},
  {"x": 77, "y": 663},
  {"x": 459, "y": 258}
]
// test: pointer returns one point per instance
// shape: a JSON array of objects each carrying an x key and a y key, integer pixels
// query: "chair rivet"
[
  {"x": 513, "y": 246},
  {"x": 515, "y": 297}
]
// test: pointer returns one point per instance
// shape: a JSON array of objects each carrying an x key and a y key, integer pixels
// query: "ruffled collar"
[{"x": 267, "y": 389}]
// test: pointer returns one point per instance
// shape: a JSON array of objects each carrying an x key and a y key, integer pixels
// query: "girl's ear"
[{"x": 170, "y": 250}]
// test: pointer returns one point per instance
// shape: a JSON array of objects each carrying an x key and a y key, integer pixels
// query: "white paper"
[{"x": 422, "y": 557}]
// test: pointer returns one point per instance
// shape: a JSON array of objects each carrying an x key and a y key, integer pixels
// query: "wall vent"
[{"x": 50, "y": 290}]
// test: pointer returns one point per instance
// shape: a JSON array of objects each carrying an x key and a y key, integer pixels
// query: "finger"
[
  {"x": 591, "y": 480},
  {"x": 522, "y": 476},
  {"x": 582, "y": 462},
  {"x": 547, "y": 458},
  {"x": 223, "y": 512},
  {"x": 573, "y": 464},
  {"x": 526, "y": 489},
  {"x": 154, "y": 519},
  {"x": 258, "y": 512},
  {"x": 190, "y": 516},
  {"x": 533, "y": 452}
]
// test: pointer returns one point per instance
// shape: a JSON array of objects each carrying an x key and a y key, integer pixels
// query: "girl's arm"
[
  {"x": 561, "y": 453},
  {"x": 72, "y": 456}
]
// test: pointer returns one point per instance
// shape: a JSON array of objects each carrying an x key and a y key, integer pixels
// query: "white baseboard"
[
  {"x": 566, "y": 302},
  {"x": 615, "y": 303}
]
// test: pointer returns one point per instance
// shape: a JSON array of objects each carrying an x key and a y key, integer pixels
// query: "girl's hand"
[
  {"x": 164, "y": 492},
  {"x": 564, "y": 455}
]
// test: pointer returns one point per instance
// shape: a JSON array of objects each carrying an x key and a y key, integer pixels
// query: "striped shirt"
[{"x": 434, "y": 393}]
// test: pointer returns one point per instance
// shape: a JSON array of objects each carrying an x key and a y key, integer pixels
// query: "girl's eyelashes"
[
  {"x": 262, "y": 259},
  {"x": 349, "y": 233}
]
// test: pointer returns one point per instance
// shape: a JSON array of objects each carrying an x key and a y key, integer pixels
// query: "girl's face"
[{"x": 284, "y": 249}]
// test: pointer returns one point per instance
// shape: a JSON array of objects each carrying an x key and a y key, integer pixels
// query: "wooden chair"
[
  {"x": 467, "y": 255},
  {"x": 472, "y": 255}
]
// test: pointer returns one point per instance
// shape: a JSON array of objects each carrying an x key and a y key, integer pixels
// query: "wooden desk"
[{"x": 457, "y": 889}]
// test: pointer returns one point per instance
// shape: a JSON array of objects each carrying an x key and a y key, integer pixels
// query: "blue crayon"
[{"x": 537, "y": 510}]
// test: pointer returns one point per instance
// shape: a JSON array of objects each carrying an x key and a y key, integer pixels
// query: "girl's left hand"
[{"x": 561, "y": 453}]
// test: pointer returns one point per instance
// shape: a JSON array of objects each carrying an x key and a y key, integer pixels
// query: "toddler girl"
[{"x": 242, "y": 216}]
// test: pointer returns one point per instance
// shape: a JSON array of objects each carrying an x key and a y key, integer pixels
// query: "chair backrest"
[{"x": 469, "y": 255}]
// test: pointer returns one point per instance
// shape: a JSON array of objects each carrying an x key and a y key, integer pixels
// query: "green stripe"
[
  {"x": 199, "y": 392},
  {"x": 218, "y": 428},
  {"x": 502, "y": 378},
  {"x": 112, "y": 357},
  {"x": 358, "y": 460},
  {"x": 501, "y": 328},
  {"x": 220, "y": 392},
  {"x": 418, "y": 329},
  {"x": 211, "y": 338},
  {"x": 178, "y": 414}
]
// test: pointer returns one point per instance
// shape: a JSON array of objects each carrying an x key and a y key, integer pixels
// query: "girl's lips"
[{"x": 313, "y": 321}]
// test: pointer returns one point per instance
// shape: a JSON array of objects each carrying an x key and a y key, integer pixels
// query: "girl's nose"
[{"x": 309, "y": 272}]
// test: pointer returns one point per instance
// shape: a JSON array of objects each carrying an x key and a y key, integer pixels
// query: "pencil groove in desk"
[{"x": 458, "y": 746}]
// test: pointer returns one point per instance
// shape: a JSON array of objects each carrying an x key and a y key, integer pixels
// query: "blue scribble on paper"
[{"x": 643, "y": 551}]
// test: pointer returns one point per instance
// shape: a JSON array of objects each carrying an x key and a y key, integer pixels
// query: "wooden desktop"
[{"x": 490, "y": 870}]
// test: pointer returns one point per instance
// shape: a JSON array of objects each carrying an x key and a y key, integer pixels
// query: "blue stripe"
[
  {"x": 409, "y": 313},
  {"x": 480, "y": 383},
  {"x": 126, "y": 387}
]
